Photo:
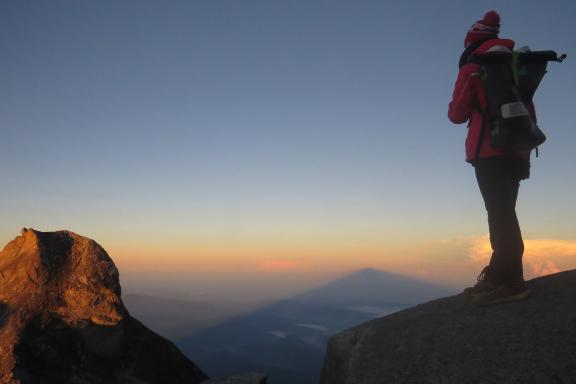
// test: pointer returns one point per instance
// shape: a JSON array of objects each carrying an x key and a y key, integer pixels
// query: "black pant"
[{"x": 499, "y": 180}]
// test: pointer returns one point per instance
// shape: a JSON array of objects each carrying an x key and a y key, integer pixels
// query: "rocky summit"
[
  {"x": 62, "y": 319},
  {"x": 451, "y": 341}
]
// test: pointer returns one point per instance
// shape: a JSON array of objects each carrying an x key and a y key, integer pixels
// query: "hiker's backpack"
[{"x": 510, "y": 80}]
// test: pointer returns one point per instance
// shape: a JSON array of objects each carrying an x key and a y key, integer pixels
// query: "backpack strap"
[
  {"x": 464, "y": 58},
  {"x": 485, "y": 120},
  {"x": 482, "y": 131}
]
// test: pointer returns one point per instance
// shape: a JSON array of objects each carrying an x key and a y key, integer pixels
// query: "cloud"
[
  {"x": 543, "y": 268},
  {"x": 480, "y": 249},
  {"x": 541, "y": 256}
]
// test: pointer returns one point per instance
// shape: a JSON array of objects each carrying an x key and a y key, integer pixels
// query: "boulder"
[
  {"x": 247, "y": 378},
  {"x": 451, "y": 341},
  {"x": 62, "y": 319}
]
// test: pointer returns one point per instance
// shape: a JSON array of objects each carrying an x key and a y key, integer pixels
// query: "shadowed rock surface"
[
  {"x": 62, "y": 319},
  {"x": 248, "y": 378},
  {"x": 451, "y": 341}
]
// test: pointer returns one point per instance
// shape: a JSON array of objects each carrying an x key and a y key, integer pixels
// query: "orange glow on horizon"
[
  {"x": 455, "y": 261},
  {"x": 278, "y": 265}
]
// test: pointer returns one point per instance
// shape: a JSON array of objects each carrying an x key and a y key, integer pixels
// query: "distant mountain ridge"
[{"x": 176, "y": 318}]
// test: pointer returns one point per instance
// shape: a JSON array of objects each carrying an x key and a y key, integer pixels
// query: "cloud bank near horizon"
[{"x": 541, "y": 256}]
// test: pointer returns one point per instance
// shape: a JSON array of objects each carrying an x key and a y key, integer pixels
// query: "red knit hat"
[{"x": 487, "y": 28}]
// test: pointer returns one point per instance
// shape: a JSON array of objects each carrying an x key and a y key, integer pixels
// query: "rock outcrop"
[
  {"x": 62, "y": 319},
  {"x": 450, "y": 341},
  {"x": 248, "y": 378}
]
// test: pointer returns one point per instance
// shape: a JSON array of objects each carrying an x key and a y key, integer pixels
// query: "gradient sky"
[{"x": 271, "y": 142}]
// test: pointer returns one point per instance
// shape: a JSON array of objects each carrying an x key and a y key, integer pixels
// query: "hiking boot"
[
  {"x": 484, "y": 285},
  {"x": 503, "y": 294}
]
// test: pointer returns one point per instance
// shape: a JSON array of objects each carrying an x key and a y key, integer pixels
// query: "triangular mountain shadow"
[
  {"x": 375, "y": 285},
  {"x": 287, "y": 339}
]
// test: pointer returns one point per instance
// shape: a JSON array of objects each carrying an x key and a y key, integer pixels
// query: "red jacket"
[{"x": 468, "y": 93}]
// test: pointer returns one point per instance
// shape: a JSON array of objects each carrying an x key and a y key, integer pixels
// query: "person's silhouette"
[{"x": 498, "y": 171}]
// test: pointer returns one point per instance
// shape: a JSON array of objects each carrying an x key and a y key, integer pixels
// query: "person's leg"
[
  {"x": 499, "y": 184},
  {"x": 499, "y": 188},
  {"x": 488, "y": 279}
]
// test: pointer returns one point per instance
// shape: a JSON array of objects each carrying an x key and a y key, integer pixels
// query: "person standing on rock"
[{"x": 498, "y": 171}]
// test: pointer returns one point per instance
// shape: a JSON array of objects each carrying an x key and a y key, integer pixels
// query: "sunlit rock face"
[
  {"x": 62, "y": 319},
  {"x": 452, "y": 341}
]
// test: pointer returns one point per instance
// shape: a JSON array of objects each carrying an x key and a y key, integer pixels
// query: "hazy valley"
[{"x": 285, "y": 339}]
